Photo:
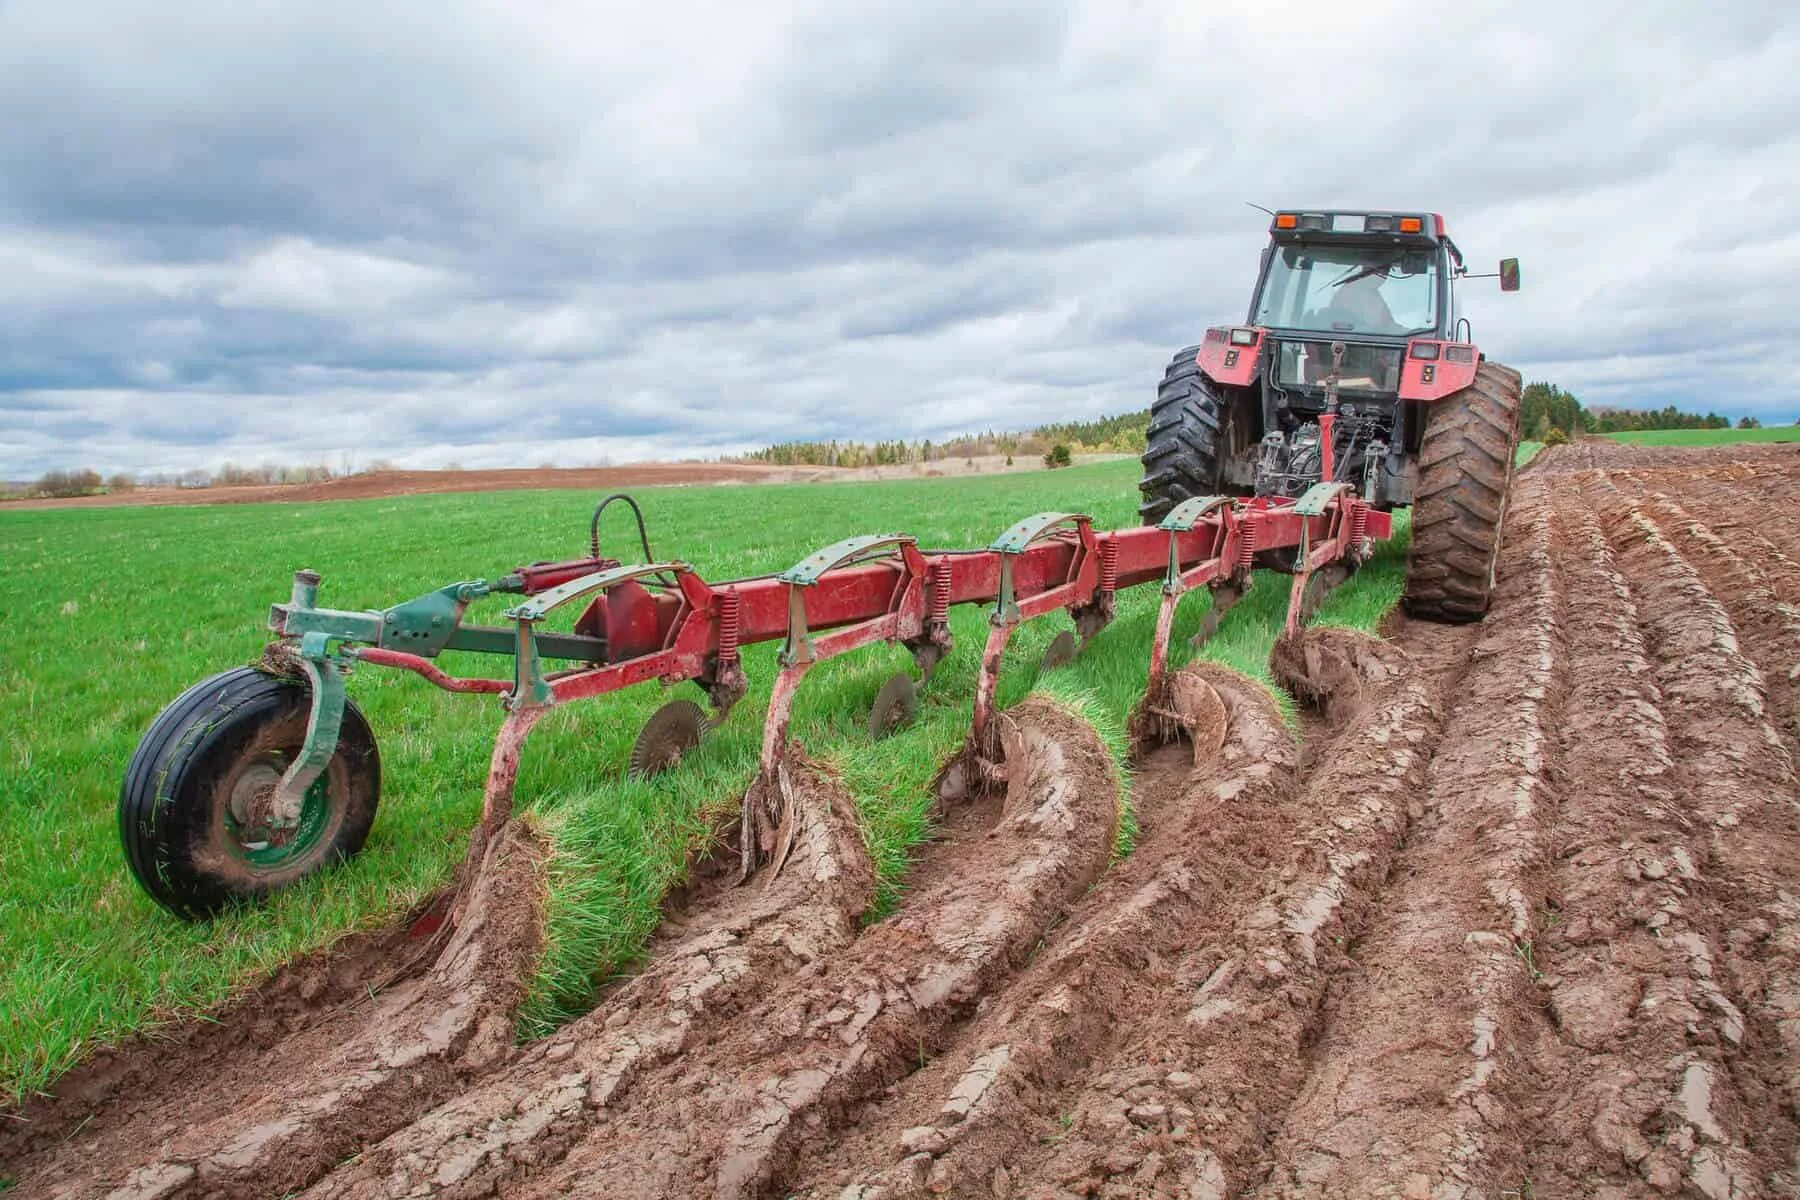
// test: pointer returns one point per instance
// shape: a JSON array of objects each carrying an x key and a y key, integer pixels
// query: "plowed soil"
[{"x": 1519, "y": 916}]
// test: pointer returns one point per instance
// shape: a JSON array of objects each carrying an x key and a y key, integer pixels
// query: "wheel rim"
[{"x": 258, "y": 846}]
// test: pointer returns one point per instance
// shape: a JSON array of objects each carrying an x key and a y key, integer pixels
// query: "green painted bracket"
[
  {"x": 539, "y": 606},
  {"x": 1184, "y": 516},
  {"x": 325, "y": 673},
  {"x": 1318, "y": 498},
  {"x": 1020, "y": 537},
  {"x": 798, "y": 648},
  {"x": 807, "y": 571},
  {"x": 1182, "y": 519},
  {"x": 421, "y": 626},
  {"x": 1016, "y": 541},
  {"x": 290, "y": 620},
  {"x": 424, "y": 626}
]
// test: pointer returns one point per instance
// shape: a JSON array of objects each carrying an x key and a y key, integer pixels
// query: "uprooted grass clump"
[{"x": 90, "y": 959}]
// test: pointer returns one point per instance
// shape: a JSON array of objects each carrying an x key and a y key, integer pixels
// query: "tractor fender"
[
  {"x": 1434, "y": 369},
  {"x": 1229, "y": 361}
]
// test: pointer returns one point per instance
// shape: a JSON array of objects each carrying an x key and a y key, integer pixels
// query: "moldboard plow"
[{"x": 260, "y": 775}]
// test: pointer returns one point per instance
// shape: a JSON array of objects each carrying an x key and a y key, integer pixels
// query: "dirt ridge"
[
  {"x": 286, "y": 1111},
  {"x": 721, "y": 959}
]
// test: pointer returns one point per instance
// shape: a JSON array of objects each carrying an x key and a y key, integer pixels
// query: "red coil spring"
[
  {"x": 1359, "y": 524},
  {"x": 1246, "y": 543},
  {"x": 728, "y": 626},
  {"x": 940, "y": 590},
  {"x": 1109, "y": 566}
]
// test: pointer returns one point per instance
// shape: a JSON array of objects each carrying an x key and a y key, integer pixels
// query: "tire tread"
[{"x": 1459, "y": 505}]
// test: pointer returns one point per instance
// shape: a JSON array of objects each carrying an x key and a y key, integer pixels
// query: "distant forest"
[
  {"x": 1543, "y": 407},
  {"x": 1115, "y": 435}
]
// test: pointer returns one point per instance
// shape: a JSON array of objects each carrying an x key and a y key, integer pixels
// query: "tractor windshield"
[{"x": 1350, "y": 289}]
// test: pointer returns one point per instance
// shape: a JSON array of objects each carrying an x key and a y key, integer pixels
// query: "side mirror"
[{"x": 1509, "y": 274}]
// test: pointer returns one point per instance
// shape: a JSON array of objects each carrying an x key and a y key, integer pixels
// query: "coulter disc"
[
  {"x": 1062, "y": 649},
  {"x": 671, "y": 732},
  {"x": 894, "y": 707}
]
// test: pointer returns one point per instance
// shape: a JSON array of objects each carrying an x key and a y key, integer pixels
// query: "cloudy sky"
[{"x": 515, "y": 233}]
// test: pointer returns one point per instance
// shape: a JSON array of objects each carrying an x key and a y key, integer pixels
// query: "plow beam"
[
  {"x": 1325, "y": 559},
  {"x": 1219, "y": 570},
  {"x": 530, "y": 687},
  {"x": 1079, "y": 587},
  {"x": 767, "y": 806}
]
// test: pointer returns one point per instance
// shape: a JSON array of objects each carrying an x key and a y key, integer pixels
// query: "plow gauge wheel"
[
  {"x": 1062, "y": 649},
  {"x": 895, "y": 705},
  {"x": 671, "y": 732},
  {"x": 194, "y": 810}
]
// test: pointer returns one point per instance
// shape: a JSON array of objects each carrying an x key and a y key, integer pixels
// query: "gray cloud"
[{"x": 523, "y": 233}]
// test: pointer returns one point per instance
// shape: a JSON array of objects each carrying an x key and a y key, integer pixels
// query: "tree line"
[
  {"x": 1545, "y": 409},
  {"x": 86, "y": 482},
  {"x": 1122, "y": 434},
  {"x": 1546, "y": 413}
]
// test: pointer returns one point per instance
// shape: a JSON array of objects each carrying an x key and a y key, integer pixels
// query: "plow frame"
[{"x": 660, "y": 620}]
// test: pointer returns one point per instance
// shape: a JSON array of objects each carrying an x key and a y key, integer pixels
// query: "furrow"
[
  {"x": 1745, "y": 497},
  {"x": 1745, "y": 516},
  {"x": 1629, "y": 949},
  {"x": 964, "y": 1123},
  {"x": 1416, "y": 1077},
  {"x": 737, "y": 1115},
  {"x": 1182, "y": 1105},
  {"x": 274, "y": 1122},
  {"x": 1740, "y": 779},
  {"x": 743, "y": 944},
  {"x": 1768, "y": 625}
]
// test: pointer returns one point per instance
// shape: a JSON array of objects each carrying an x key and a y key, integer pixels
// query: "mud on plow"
[{"x": 258, "y": 776}]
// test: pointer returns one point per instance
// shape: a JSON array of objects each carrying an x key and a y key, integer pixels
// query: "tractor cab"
[{"x": 1335, "y": 281}]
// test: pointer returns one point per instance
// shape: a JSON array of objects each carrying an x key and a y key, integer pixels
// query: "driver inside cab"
[{"x": 1358, "y": 307}]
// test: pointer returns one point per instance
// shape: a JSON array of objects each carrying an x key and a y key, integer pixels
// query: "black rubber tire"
[
  {"x": 1459, "y": 502},
  {"x": 172, "y": 802},
  {"x": 1181, "y": 452}
]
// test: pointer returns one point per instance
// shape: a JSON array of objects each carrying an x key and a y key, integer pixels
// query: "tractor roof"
[{"x": 1383, "y": 223}]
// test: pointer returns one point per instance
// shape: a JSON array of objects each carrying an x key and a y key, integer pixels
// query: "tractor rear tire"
[
  {"x": 217, "y": 747},
  {"x": 1181, "y": 455},
  {"x": 1459, "y": 503}
]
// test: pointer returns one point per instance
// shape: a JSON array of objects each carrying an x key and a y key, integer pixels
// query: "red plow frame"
[{"x": 662, "y": 621}]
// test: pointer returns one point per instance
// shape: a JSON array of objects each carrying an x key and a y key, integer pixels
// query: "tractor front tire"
[
  {"x": 1181, "y": 454},
  {"x": 187, "y": 808},
  {"x": 1459, "y": 503}
]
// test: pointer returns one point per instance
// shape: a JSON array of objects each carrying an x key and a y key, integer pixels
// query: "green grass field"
[
  {"x": 106, "y": 614},
  {"x": 1707, "y": 437}
]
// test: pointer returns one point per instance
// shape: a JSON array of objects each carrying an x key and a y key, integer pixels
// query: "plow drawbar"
[{"x": 260, "y": 775}]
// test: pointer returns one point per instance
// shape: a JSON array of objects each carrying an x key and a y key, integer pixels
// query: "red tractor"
[{"x": 1355, "y": 365}]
